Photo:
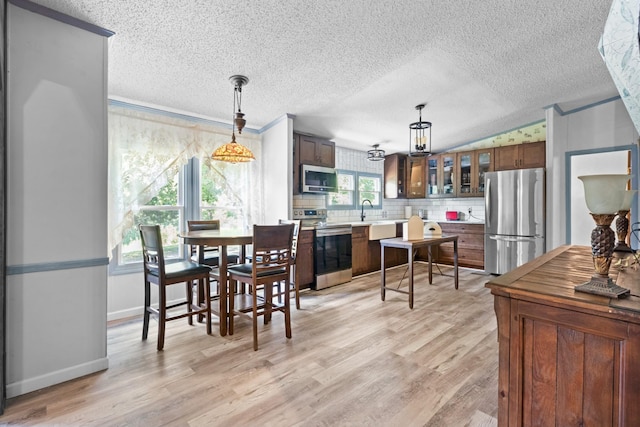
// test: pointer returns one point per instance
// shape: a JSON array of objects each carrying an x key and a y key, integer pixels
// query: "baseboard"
[
  {"x": 133, "y": 312},
  {"x": 57, "y": 377}
]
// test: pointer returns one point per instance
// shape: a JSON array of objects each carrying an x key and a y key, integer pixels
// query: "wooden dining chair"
[
  {"x": 163, "y": 274},
  {"x": 271, "y": 263},
  {"x": 209, "y": 255},
  {"x": 294, "y": 283}
]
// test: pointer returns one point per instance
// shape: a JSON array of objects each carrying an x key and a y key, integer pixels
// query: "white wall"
[
  {"x": 602, "y": 126},
  {"x": 277, "y": 164},
  {"x": 581, "y": 222},
  {"x": 57, "y": 202}
]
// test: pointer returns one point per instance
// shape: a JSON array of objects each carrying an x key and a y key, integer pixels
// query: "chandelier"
[
  {"x": 376, "y": 154},
  {"x": 420, "y": 136},
  {"x": 234, "y": 152}
]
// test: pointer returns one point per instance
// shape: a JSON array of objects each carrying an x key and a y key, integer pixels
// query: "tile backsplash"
[{"x": 434, "y": 209}]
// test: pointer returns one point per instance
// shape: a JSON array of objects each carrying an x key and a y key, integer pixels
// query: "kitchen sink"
[{"x": 382, "y": 230}]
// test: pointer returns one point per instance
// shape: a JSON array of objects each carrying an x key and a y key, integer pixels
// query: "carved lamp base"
[
  {"x": 602, "y": 241},
  {"x": 603, "y": 286}
]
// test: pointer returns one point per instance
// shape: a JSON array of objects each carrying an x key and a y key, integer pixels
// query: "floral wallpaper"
[{"x": 620, "y": 49}]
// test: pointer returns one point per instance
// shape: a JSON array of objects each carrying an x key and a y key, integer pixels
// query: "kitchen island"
[{"x": 566, "y": 358}]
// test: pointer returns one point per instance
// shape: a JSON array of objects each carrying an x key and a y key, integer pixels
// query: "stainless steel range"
[
  {"x": 310, "y": 217},
  {"x": 332, "y": 248}
]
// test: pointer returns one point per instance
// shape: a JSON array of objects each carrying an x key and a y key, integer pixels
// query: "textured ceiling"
[{"x": 354, "y": 70}]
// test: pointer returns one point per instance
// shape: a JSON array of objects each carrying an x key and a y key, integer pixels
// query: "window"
[
  {"x": 353, "y": 188},
  {"x": 370, "y": 187},
  {"x": 164, "y": 209},
  {"x": 218, "y": 198},
  {"x": 345, "y": 198},
  {"x": 160, "y": 172}
]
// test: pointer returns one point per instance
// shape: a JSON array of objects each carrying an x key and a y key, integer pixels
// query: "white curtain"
[{"x": 147, "y": 147}]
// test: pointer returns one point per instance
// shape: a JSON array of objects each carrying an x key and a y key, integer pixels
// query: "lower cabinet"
[
  {"x": 566, "y": 358},
  {"x": 470, "y": 246},
  {"x": 304, "y": 259},
  {"x": 365, "y": 253}
]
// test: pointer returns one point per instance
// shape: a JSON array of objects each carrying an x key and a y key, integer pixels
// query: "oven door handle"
[{"x": 333, "y": 232}]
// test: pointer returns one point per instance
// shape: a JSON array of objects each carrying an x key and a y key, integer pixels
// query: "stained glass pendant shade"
[{"x": 234, "y": 152}]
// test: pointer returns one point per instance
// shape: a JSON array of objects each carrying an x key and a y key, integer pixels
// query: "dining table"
[{"x": 222, "y": 239}]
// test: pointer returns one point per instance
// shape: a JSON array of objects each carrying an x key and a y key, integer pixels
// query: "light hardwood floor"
[{"x": 354, "y": 360}]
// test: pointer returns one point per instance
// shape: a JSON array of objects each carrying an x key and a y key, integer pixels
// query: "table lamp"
[
  {"x": 605, "y": 196},
  {"x": 622, "y": 223}
]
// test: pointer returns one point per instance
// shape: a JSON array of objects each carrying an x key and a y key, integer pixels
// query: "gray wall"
[{"x": 57, "y": 201}]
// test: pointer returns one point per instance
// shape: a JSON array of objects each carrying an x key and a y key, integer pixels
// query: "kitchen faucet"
[{"x": 362, "y": 215}]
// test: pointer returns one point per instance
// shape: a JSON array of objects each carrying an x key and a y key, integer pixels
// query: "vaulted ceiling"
[{"x": 354, "y": 70}]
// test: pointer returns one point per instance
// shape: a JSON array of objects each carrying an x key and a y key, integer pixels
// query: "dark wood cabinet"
[
  {"x": 566, "y": 358},
  {"x": 416, "y": 177},
  {"x": 304, "y": 259},
  {"x": 311, "y": 150},
  {"x": 316, "y": 151},
  {"x": 395, "y": 171},
  {"x": 470, "y": 245},
  {"x": 440, "y": 171},
  {"x": 360, "y": 250},
  {"x": 404, "y": 177},
  {"x": 521, "y": 156},
  {"x": 365, "y": 253},
  {"x": 471, "y": 167}
]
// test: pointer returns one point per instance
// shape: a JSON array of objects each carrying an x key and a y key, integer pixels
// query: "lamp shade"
[
  {"x": 628, "y": 198},
  {"x": 604, "y": 194}
]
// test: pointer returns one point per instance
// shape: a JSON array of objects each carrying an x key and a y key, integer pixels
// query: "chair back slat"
[
  {"x": 272, "y": 247},
  {"x": 211, "y": 224},
  {"x": 152, "y": 250}
]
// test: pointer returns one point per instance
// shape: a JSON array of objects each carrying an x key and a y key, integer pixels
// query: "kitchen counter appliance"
[
  {"x": 331, "y": 246},
  {"x": 332, "y": 255},
  {"x": 514, "y": 219},
  {"x": 318, "y": 179}
]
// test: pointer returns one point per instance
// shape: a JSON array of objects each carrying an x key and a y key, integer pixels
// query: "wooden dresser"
[{"x": 566, "y": 358}]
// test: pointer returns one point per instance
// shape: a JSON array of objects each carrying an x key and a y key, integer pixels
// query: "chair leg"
[
  {"x": 230, "y": 305},
  {"x": 207, "y": 303},
  {"x": 296, "y": 286},
  {"x": 268, "y": 302},
  {"x": 162, "y": 315},
  {"x": 189, "y": 289},
  {"x": 287, "y": 310},
  {"x": 147, "y": 313},
  {"x": 255, "y": 319}
]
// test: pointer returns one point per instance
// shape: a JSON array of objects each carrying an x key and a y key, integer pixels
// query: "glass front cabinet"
[
  {"x": 416, "y": 177},
  {"x": 441, "y": 176},
  {"x": 471, "y": 167}
]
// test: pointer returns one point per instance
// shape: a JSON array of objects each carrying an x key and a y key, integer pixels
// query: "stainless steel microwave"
[{"x": 318, "y": 179}]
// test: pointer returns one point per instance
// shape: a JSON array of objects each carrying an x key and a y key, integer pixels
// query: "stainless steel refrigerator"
[{"x": 514, "y": 218}]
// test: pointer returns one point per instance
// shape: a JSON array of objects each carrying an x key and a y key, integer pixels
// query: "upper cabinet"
[
  {"x": 395, "y": 172},
  {"x": 522, "y": 156},
  {"x": 471, "y": 167},
  {"x": 460, "y": 174},
  {"x": 316, "y": 151},
  {"x": 311, "y": 150},
  {"x": 416, "y": 177},
  {"x": 440, "y": 175}
]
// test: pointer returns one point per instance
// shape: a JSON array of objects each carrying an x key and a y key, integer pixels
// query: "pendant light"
[
  {"x": 234, "y": 152},
  {"x": 376, "y": 154},
  {"x": 420, "y": 136}
]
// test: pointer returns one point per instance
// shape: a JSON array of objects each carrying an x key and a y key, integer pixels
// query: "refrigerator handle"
[{"x": 487, "y": 200}]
